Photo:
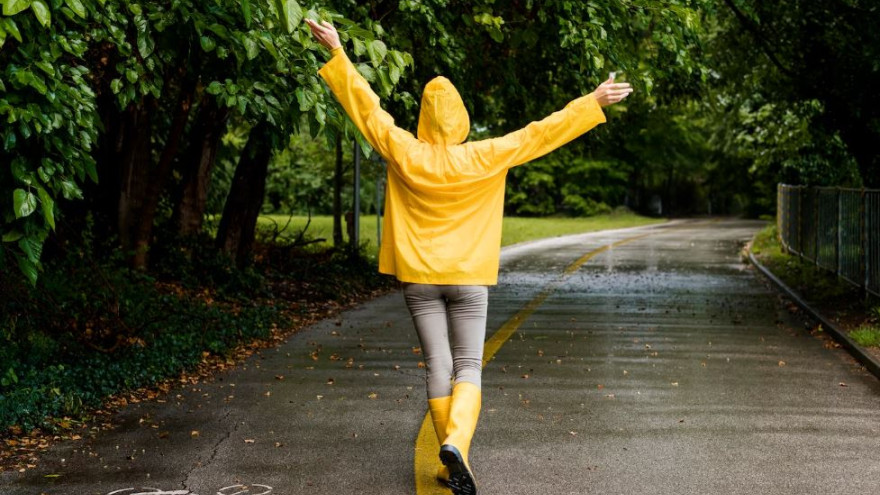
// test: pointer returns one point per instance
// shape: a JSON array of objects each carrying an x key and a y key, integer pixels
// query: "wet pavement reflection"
[{"x": 667, "y": 366}]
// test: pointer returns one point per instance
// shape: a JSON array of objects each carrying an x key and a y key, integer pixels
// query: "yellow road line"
[{"x": 427, "y": 446}]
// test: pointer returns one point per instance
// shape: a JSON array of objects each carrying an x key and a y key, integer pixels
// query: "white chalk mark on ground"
[{"x": 228, "y": 490}]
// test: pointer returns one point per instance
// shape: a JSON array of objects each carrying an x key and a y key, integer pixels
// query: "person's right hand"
[
  {"x": 325, "y": 33},
  {"x": 609, "y": 92}
]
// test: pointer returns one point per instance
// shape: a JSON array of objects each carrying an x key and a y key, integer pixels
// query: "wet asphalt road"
[{"x": 661, "y": 366}]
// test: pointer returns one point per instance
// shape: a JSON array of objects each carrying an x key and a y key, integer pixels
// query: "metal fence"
[{"x": 837, "y": 229}]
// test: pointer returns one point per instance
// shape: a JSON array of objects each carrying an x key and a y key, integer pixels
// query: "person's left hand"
[
  {"x": 325, "y": 33},
  {"x": 609, "y": 92}
]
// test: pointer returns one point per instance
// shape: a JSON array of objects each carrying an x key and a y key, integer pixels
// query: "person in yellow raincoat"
[{"x": 442, "y": 227}]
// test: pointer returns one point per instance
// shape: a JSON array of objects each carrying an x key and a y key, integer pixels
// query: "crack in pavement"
[{"x": 214, "y": 450}]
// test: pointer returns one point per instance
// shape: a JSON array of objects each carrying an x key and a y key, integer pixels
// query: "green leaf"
[
  {"x": 131, "y": 75},
  {"x": 220, "y": 30},
  {"x": 91, "y": 169},
  {"x": 377, "y": 51},
  {"x": 32, "y": 246},
  {"x": 384, "y": 83},
  {"x": 28, "y": 268},
  {"x": 269, "y": 45},
  {"x": 320, "y": 114},
  {"x": 359, "y": 32},
  {"x": 251, "y": 48},
  {"x": 46, "y": 67},
  {"x": 39, "y": 84},
  {"x": 70, "y": 190},
  {"x": 77, "y": 7},
  {"x": 21, "y": 172},
  {"x": 208, "y": 44},
  {"x": 115, "y": 86},
  {"x": 9, "y": 142},
  {"x": 399, "y": 61},
  {"x": 24, "y": 203},
  {"x": 215, "y": 88},
  {"x": 12, "y": 236},
  {"x": 12, "y": 28},
  {"x": 306, "y": 99},
  {"x": 41, "y": 10},
  {"x": 293, "y": 14},
  {"x": 367, "y": 71},
  {"x": 359, "y": 46},
  {"x": 12, "y": 7},
  {"x": 246, "y": 11},
  {"x": 145, "y": 44},
  {"x": 48, "y": 207},
  {"x": 273, "y": 101},
  {"x": 29, "y": 78}
]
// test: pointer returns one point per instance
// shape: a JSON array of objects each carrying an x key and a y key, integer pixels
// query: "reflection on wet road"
[{"x": 665, "y": 365}]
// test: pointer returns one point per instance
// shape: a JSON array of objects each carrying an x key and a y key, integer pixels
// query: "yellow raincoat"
[{"x": 445, "y": 197}]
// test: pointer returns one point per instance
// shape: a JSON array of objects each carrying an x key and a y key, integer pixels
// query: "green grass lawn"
[{"x": 515, "y": 229}]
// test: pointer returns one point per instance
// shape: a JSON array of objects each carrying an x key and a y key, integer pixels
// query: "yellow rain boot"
[
  {"x": 439, "y": 408},
  {"x": 463, "y": 415}
]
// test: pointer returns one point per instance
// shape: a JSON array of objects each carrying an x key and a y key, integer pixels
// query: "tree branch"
[{"x": 759, "y": 37}]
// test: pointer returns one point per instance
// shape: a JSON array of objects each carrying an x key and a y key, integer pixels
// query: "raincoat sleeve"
[
  {"x": 542, "y": 136},
  {"x": 362, "y": 105}
]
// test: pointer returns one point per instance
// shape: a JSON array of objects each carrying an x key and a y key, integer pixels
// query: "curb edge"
[{"x": 867, "y": 360}]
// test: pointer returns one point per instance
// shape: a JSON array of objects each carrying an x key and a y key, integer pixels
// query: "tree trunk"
[
  {"x": 337, "y": 195},
  {"x": 144, "y": 226},
  {"x": 101, "y": 199},
  {"x": 198, "y": 163},
  {"x": 134, "y": 164},
  {"x": 235, "y": 236}
]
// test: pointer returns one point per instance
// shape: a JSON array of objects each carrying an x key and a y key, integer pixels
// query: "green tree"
[
  {"x": 814, "y": 74},
  {"x": 47, "y": 104},
  {"x": 514, "y": 62},
  {"x": 138, "y": 95}
]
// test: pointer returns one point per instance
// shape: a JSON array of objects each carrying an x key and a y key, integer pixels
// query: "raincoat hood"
[{"x": 443, "y": 119}]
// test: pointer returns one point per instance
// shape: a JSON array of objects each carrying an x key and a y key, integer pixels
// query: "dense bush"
[
  {"x": 565, "y": 184},
  {"x": 92, "y": 327}
]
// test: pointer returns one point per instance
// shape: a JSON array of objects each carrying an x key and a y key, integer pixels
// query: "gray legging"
[{"x": 437, "y": 309}]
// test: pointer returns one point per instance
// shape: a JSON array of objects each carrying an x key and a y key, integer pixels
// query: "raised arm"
[
  {"x": 543, "y": 136},
  {"x": 357, "y": 98}
]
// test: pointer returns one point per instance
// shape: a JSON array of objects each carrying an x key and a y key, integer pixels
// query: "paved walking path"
[{"x": 661, "y": 365}]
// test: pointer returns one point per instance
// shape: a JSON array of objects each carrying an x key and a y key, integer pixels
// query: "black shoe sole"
[{"x": 461, "y": 481}]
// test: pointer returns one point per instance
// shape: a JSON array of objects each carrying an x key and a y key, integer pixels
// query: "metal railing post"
[
  {"x": 800, "y": 221},
  {"x": 839, "y": 239},
  {"x": 863, "y": 240},
  {"x": 780, "y": 213},
  {"x": 816, "y": 225}
]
